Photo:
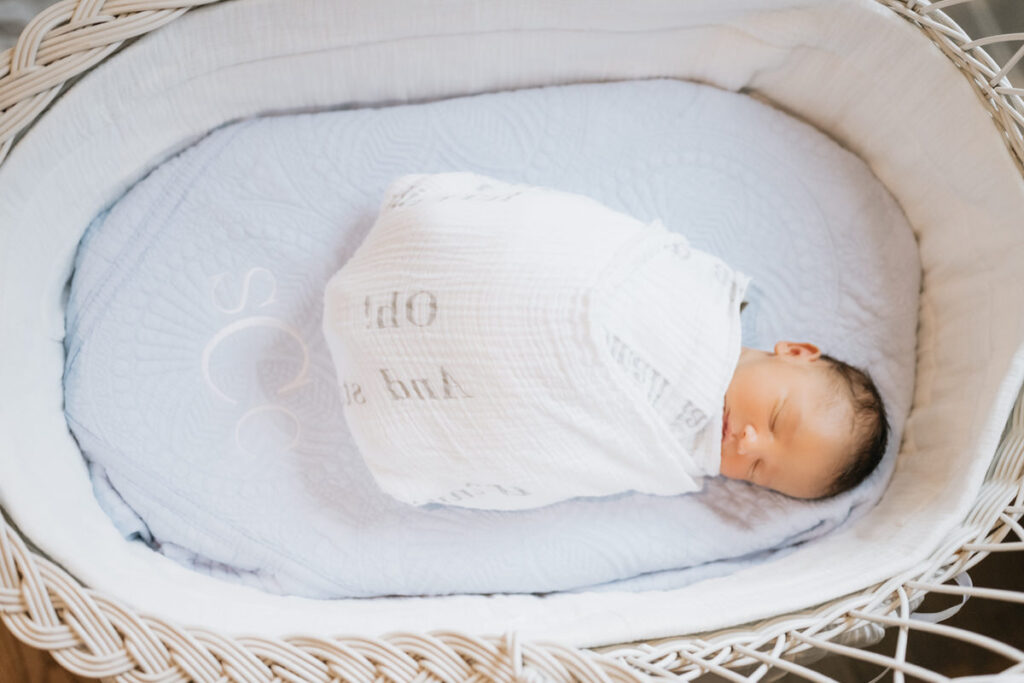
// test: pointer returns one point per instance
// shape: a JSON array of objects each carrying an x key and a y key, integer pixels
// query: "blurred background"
[
  {"x": 1003, "y": 621},
  {"x": 14, "y": 14}
]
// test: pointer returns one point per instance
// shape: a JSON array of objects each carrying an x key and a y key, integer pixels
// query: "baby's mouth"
[{"x": 725, "y": 424}]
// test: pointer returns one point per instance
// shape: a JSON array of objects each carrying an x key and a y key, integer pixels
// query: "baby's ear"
[{"x": 803, "y": 350}]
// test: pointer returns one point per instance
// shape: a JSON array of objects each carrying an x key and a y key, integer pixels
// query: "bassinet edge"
[{"x": 47, "y": 608}]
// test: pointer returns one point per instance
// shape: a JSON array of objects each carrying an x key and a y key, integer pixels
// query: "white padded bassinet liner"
[
  {"x": 853, "y": 68},
  {"x": 200, "y": 383}
]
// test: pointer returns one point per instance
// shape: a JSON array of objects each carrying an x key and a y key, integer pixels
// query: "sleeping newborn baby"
[{"x": 503, "y": 346}]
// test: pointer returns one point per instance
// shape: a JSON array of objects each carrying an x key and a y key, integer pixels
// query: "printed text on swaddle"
[
  {"x": 422, "y": 387},
  {"x": 416, "y": 192},
  {"x": 658, "y": 390},
  {"x": 471, "y": 490},
  {"x": 418, "y": 309}
]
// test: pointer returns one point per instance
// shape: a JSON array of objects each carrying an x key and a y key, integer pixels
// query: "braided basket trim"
[{"x": 94, "y": 635}]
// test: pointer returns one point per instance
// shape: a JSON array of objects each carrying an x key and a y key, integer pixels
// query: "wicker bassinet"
[{"x": 957, "y": 171}]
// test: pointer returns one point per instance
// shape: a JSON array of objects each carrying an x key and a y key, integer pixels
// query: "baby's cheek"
[{"x": 731, "y": 466}]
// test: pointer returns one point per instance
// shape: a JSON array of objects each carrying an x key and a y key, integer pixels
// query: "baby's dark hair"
[{"x": 871, "y": 428}]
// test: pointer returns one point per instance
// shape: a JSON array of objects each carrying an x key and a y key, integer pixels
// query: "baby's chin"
[
  {"x": 723, "y": 464},
  {"x": 728, "y": 466},
  {"x": 724, "y": 471}
]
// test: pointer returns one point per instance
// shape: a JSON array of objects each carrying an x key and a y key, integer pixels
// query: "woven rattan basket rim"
[{"x": 94, "y": 635}]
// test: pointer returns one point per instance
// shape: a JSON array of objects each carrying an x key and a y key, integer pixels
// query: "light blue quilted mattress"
[{"x": 202, "y": 395}]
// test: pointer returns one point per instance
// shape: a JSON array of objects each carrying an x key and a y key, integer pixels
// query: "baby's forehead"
[
  {"x": 830, "y": 401},
  {"x": 825, "y": 393},
  {"x": 828, "y": 380}
]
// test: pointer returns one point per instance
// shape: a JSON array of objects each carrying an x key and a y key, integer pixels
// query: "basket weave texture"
[{"x": 96, "y": 636}]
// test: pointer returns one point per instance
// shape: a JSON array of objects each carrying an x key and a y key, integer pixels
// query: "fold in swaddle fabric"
[
  {"x": 673, "y": 328},
  {"x": 502, "y": 346}
]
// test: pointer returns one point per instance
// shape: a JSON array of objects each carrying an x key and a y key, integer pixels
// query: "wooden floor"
[
  {"x": 1003, "y": 621},
  {"x": 21, "y": 664}
]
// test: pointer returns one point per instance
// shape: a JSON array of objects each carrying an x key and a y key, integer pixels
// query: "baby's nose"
[{"x": 748, "y": 439}]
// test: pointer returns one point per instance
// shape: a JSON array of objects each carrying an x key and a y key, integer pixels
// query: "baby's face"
[{"x": 785, "y": 426}]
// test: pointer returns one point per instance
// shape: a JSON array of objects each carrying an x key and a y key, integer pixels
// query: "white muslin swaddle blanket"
[{"x": 503, "y": 346}]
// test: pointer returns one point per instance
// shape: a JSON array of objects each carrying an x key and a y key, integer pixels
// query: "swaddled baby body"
[{"x": 502, "y": 346}]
